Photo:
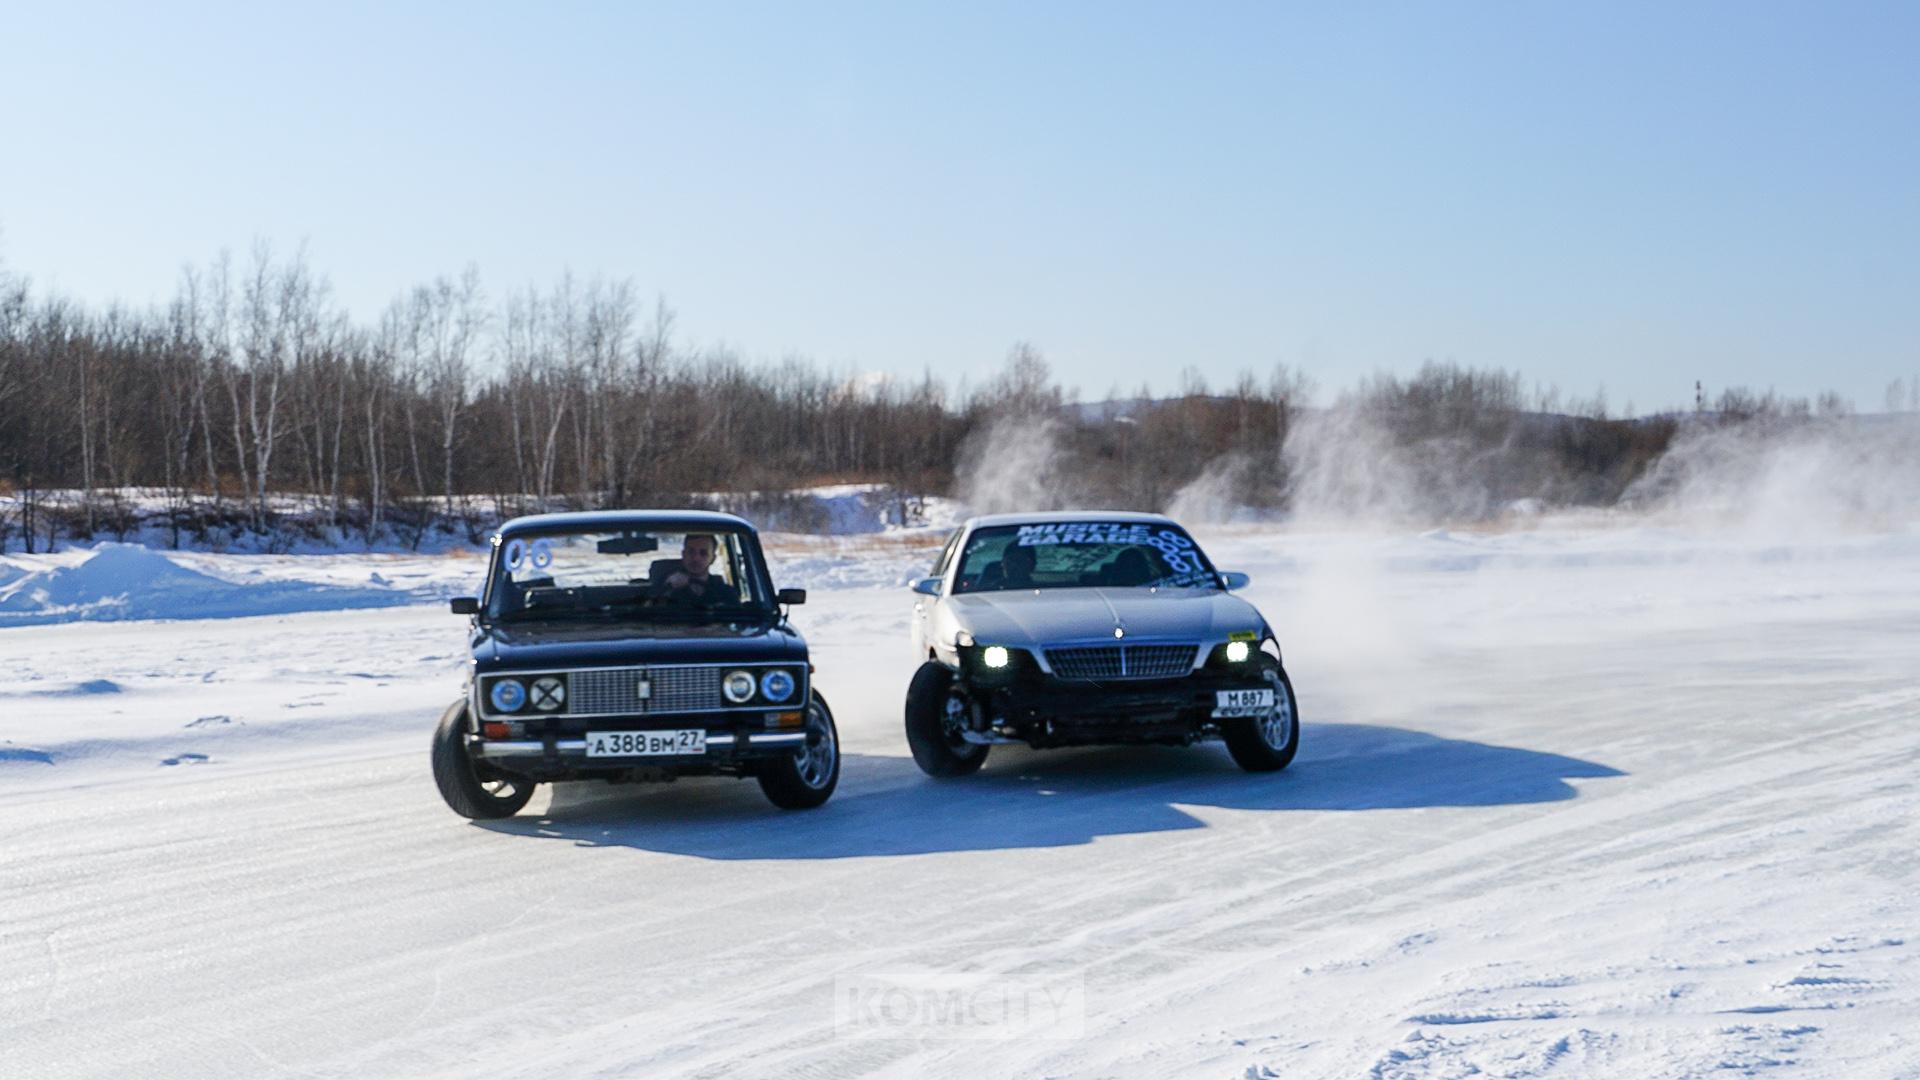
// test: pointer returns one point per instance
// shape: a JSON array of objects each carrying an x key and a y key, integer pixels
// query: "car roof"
[
  {"x": 1050, "y": 516},
  {"x": 591, "y": 520}
]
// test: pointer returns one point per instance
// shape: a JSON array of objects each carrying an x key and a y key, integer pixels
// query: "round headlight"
[
  {"x": 738, "y": 687},
  {"x": 995, "y": 656},
  {"x": 1237, "y": 651},
  {"x": 776, "y": 685},
  {"x": 549, "y": 693},
  {"x": 507, "y": 695}
]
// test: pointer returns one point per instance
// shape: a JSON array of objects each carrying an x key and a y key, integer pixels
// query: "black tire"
[
  {"x": 472, "y": 789},
  {"x": 1267, "y": 744},
  {"x": 807, "y": 777},
  {"x": 937, "y": 749}
]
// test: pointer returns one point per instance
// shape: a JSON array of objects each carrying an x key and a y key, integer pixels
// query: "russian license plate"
[
  {"x": 646, "y": 743},
  {"x": 1242, "y": 702}
]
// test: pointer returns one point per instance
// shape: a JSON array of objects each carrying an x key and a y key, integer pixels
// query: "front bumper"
[
  {"x": 1046, "y": 711},
  {"x": 721, "y": 745},
  {"x": 556, "y": 748}
]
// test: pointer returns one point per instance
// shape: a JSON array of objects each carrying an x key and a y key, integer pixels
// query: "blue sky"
[{"x": 1627, "y": 195}]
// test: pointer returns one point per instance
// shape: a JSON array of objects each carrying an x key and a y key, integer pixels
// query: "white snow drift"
[{"x": 124, "y": 581}]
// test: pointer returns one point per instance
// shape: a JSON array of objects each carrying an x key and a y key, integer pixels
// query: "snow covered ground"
[{"x": 1609, "y": 800}]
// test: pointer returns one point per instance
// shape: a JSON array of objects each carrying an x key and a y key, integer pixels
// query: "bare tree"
[{"x": 451, "y": 316}]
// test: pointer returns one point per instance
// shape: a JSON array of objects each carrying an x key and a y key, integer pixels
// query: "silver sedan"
[{"x": 1086, "y": 628}]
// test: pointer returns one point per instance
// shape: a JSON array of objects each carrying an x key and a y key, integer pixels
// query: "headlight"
[
  {"x": 548, "y": 693},
  {"x": 776, "y": 685},
  {"x": 737, "y": 687},
  {"x": 995, "y": 657},
  {"x": 507, "y": 695},
  {"x": 1237, "y": 652}
]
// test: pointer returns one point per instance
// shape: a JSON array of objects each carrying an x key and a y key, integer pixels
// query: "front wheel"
[
  {"x": 936, "y": 714},
  {"x": 807, "y": 777},
  {"x": 1267, "y": 743},
  {"x": 473, "y": 789}
]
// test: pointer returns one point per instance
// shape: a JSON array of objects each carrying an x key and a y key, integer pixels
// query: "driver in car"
[
  {"x": 694, "y": 584},
  {"x": 1013, "y": 570}
]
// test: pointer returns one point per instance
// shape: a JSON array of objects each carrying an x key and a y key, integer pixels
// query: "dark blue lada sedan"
[{"x": 632, "y": 645}]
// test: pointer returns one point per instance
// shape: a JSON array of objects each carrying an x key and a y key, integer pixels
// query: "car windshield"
[
  {"x": 652, "y": 574},
  {"x": 1078, "y": 554}
]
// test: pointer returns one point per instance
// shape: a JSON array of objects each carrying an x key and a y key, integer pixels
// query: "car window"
[
  {"x": 559, "y": 575},
  {"x": 1079, "y": 554},
  {"x": 946, "y": 554}
]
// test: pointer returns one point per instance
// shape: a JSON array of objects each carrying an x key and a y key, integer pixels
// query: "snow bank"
[
  {"x": 301, "y": 521},
  {"x": 125, "y": 581},
  {"x": 837, "y": 509},
  {"x": 852, "y": 562}
]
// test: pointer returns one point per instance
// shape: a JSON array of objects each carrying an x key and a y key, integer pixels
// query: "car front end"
[
  {"x": 641, "y": 718},
  {"x": 1127, "y": 690}
]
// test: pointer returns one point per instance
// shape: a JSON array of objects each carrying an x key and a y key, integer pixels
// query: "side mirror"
[
  {"x": 465, "y": 605},
  {"x": 926, "y": 586},
  {"x": 791, "y": 597},
  {"x": 1234, "y": 579}
]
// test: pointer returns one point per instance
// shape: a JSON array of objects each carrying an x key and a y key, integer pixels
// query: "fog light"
[
  {"x": 738, "y": 687},
  {"x": 995, "y": 656},
  {"x": 1237, "y": 651}
]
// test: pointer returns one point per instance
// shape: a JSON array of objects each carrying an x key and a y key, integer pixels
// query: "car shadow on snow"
[{"x": 1033, "y": 799}]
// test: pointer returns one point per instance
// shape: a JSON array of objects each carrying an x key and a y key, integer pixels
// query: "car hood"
[
  {"x": 537, "y": 646},
  {"x": 1052, "y": 616}
]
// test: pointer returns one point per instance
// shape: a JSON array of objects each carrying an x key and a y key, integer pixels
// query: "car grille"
[
  {"x": 1122, "y": 661},
  {"x": 673, "y": 689}
]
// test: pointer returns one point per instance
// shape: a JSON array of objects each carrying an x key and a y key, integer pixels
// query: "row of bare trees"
[
  {"x": 251, "y": 392},
  {"x": 251, "y": 401}
]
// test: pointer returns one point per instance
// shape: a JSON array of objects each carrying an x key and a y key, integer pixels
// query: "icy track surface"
[{"x": 1603, "y": 803}]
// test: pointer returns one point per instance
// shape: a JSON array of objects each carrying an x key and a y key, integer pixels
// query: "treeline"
[
  {"x": 449, "y": 411},
  {"x": 251, "y": 403}
]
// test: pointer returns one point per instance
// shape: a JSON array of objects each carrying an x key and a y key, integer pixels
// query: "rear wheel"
[
  {"x": 472, "y": 788},
  {"x": 936, "y": 715},
  {"x": 1267, "y": 743},
  {"x": 807, "y": 778}
]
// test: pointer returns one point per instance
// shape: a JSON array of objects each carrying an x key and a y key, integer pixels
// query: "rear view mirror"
[
  {"x": 629, "y": 544},
  {"x": 464, "y": 605},
  {"x": 926, "y": 586},
  {"x": 791, "y": 597},
  {"x": 1234, "y": 579}
]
